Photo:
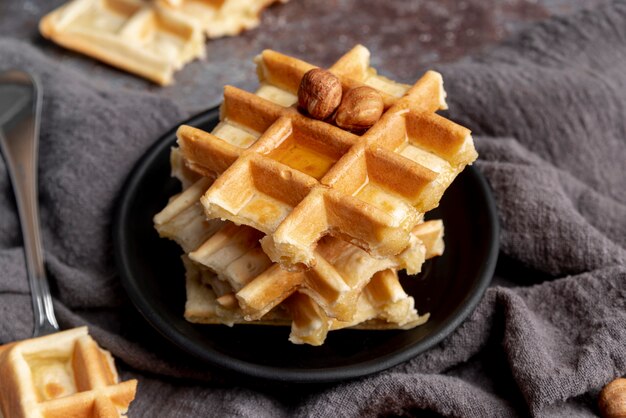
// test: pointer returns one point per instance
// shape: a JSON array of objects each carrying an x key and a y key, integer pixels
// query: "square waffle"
[
  {"x": 220, "y": 17},
  {"x": 61, "y": 375},
  {"x": 382, "y": 303},
  {"x": 134, "y": 35},
  {"x": 232, "y": 281},
  {"x": 297, "y": 179},
  {"x": 233, "y": 252}
]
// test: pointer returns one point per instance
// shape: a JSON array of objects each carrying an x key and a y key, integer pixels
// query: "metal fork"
[{"x": 20, "y": 108}]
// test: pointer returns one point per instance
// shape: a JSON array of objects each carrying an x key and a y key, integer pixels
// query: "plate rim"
[{"x": 287, "y": 374}]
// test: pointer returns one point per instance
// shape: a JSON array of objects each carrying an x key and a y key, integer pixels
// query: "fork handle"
[{"x": 19, "y": 146}]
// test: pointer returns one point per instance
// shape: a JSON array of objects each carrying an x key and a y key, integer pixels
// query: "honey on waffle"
[
  {"x": 297, "y": 179},
  {"x": 61, "y": 375}
]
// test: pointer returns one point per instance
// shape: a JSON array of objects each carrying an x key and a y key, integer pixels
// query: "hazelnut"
[
  {"x": 612, "y": 400},
  {"x": 319, "y": 93},
  {"x": 360, "y": 108}
]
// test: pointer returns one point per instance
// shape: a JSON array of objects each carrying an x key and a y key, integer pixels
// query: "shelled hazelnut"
[
  {"x": 319, "y": 93},
  {"x": 360, "y": 108},
  {"x": 612, "y": 400}
]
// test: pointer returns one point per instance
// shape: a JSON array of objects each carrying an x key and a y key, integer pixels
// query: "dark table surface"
[{"x": 405, "y": 38}]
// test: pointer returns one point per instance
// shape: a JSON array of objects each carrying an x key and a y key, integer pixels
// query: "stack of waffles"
[
  {"x": 287, "y": 219},
  {"x": 150, "y": 38},
  {"x": 61, "y": 375}
]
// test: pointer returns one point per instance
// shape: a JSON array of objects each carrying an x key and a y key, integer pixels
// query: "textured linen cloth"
[{"x": 548, "y": 111}]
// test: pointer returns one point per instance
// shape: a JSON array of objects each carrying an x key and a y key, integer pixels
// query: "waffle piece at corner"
[
  {"x": 297, "y": 179},
  {"x": 61, "y": 375}
]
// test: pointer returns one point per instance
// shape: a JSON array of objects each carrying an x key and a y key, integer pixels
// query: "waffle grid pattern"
[
  {"x": 297, "y": 179},
  {"x": 61, "y": 375}
]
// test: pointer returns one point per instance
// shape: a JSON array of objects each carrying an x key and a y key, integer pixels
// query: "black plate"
[{"x": 449, "y": 287}]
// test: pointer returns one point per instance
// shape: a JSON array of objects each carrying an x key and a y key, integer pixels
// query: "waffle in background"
[
  {"x": 61, "y": 375},
  {"x": 219, "y": 18},
  {"x": 297, "y": 179},
  {"x": 152, "y": 39}
]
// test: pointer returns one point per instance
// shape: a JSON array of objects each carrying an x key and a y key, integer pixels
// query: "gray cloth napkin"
[{"x": 548, "y": 109}]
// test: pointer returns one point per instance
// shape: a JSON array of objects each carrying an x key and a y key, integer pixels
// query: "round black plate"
[{"x": 449, "y": 287}]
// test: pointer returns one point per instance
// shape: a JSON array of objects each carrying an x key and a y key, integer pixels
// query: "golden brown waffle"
[
  {"x": 182, "y": 219},
  {"x": 234, "y": 253},
  {"x": 134, "y": 35},
  {"x": 383, "y": 304},
  {"x": 274, "y": 165},
  {"x": 220, "y": 17},
  {"x": 297, "y": 179},
  {"x": 340, "y": 273},
  {"x": 61, "y": 375},
  {"x": 235, "y": 272},
  {"x": 234, "y": 282}
]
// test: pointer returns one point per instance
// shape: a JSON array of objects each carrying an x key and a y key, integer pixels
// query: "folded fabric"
[{"x": 547, "y": 109}]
